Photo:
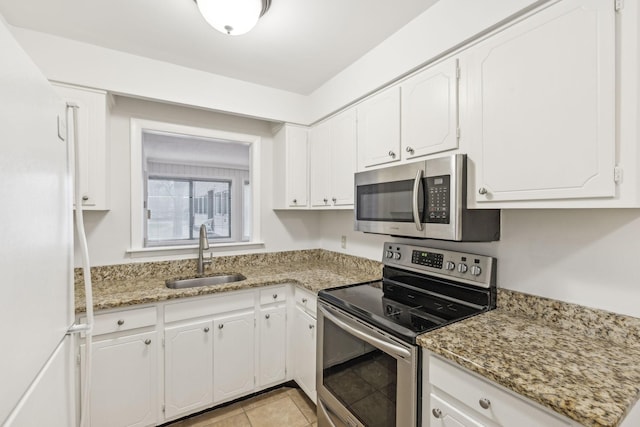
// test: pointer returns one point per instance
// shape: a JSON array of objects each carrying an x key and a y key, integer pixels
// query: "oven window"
[
  {"x": 361, "y": 377},
  {"x": 389, "y": 201}
]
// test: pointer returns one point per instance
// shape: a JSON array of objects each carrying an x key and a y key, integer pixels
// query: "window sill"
[{"x": 189, "y": 249}]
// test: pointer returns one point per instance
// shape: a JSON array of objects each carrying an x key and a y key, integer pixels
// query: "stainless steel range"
[{"x": 368, "y": 364}]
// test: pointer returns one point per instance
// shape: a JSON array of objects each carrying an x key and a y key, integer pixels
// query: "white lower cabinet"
[
  {"x": 155, "y": 364},
  {"x": 188, "y": 368},
  {"x": 456, "y": 397},
  {"x": 272, "y": 346},
  {"x": 233, "y": 356},
  {"x": 124, "y": 381},
  {"x": 303, "y": 333}
]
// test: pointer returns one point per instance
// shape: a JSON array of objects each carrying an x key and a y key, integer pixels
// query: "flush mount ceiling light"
[{"x": 233, "y": 17}]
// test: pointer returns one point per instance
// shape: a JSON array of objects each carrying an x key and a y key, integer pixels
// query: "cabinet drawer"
[
  {"x": 271, "y": 295},
  {"x": 306, "y": 300},
  {"x": 208, "y": 306},
  {"x": 123, "y": 320},
  {"x": 504, "y": 408}
]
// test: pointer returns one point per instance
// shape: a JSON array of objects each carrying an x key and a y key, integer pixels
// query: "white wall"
[
  {"x": 108, "y": 233},
  {"x": 441, "y": 28},
  {"x": 587, "y": 257},
  {"x": 121, "y": 73}
]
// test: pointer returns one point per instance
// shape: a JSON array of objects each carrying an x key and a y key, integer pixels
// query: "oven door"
[
  {"x": 391, "y": 200},
  {"x": 364, "y": 376}
]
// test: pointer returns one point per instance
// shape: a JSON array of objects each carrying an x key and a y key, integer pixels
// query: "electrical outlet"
[{"x": 343, "y": 242}]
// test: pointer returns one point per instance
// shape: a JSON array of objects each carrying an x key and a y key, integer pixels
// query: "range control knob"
[
  {"x": 397, "y": 255},
  {"x": 475, "y": 270},
  {"x": 388, "y": 254},
  {"x": 449, "y": 266},
  {"x": 462, "y": 268}
]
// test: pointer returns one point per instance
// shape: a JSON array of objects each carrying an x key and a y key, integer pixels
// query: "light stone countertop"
[
  {"x": 580, "y": 362},
  {"x": 141, "y": 283}
]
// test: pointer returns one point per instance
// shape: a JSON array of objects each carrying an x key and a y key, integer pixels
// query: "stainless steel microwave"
[{"x": 426, "y": 199}]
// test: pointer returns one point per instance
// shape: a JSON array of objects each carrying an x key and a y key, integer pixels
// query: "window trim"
[{"x": 137, "y": 126}]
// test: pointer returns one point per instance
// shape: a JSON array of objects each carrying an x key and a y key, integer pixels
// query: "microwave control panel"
[{"x": 438, "y": 199}]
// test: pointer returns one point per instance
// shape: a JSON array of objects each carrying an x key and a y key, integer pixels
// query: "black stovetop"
[{"x": 406, "y": 305}]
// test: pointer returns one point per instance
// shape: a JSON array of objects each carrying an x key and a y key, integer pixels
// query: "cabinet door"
[
  {"x": 343, "y": 157},
  {"x": 272, "y": 345},
  {"x": 296, "y": 164},
  {"x": 304, "y": 352},
  {"x": 430, "y": 110},
  {"x": 443, "y": 414},
  {"x": 320, "y": 165},
  {"x": 188, "y": 368},
  {"x": 124, "y": 384},
  {"x": 233, "y": 356},
  {"x": 92, "y": 143},
  {"x": 543, "y": 106},
  {"x": 379, "y": 129}
]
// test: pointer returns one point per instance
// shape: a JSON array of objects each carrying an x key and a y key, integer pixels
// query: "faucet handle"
[{"x": 210, "y": 260}]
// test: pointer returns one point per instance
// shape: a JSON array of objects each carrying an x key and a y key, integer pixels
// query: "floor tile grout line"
[{"x": 301, "y": 411}]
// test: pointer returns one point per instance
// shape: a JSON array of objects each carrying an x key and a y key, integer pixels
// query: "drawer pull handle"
[
  {"x": 221, "y": 325},
  {"x": 436, "y": 412},
  {"x": 484, "y": 403},
  {"x": 304, "y": 300},
  {"x": 206, "y": 329},
  {"x": 120, "y": 322},
  {"x": 275, "y": 296},
  {"x": 482, "y": 191},
  {"x": 266, "y": 316},
  {"x": 147, "y": 341}
]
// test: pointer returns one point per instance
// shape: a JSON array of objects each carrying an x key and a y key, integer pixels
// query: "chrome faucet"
[{"x": 203, "y": 245}]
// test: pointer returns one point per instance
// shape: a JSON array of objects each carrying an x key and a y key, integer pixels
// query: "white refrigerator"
[{"x": 37, "y": 363}]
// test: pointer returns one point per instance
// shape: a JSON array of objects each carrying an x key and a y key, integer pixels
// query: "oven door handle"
[
  {"x": 416, "y": 212},
  {"x": 383, "y": 345}
]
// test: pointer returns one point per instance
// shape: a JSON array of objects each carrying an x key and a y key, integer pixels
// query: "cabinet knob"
[
  {"x": 410, "y": 150},
  {"x": 120, "y": 322},
  {"x": 325, "y": 200},
  {"x": 392, "y": 154},
  {"x": 436, "y": 412},
  {"x": 85, "y": 198},
  {"x": 312, "y": 326},
  {"x": 147, "y": 341},
  {"x": 484, "y": 403},
  {"x": 221, "y": 325},
  {"x": 482, "y": 191},
  {"x": 304, "y": 300},
  {"x": 206, "y": 329},
  {"x": 295, "y": 201},
  {"x": 275, "y": 296},
  {"x": 334, "y": 199},
  {"x": 266, "y": 316}
]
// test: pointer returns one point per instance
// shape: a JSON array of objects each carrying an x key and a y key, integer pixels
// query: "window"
[
  {"x": 178, "y": 207},
  {"x": 189, "y": 177}
]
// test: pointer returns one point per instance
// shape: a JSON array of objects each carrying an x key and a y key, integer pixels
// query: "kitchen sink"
[{"x": 204, "y": 281}]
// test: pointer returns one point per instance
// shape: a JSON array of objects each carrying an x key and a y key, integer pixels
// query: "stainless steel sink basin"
[{"x": 204, "y": 281}]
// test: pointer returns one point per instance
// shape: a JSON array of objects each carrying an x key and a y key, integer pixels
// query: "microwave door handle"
[{"x": 416, "y": 211}]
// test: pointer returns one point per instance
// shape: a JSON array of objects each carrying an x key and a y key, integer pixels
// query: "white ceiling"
[{"x": 297, "y": 46}]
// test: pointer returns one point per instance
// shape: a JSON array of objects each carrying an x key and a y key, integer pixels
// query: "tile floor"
[{"x": 283, "y": 407}]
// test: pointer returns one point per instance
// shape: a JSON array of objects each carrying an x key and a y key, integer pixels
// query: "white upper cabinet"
[
  {"x": 291, "y": 184},
  {"x": 541, "y": 107},
  {"x": 430, "y": 110},
  {"x": 320, "y": 164},
  {"x": 379, "y": 129},
  {"x": 332, "y": 161},
  {"x": 93, "y": 149}
]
